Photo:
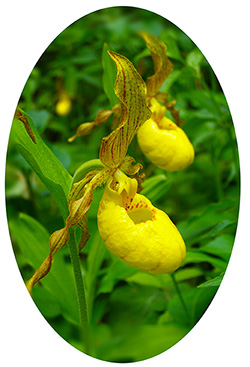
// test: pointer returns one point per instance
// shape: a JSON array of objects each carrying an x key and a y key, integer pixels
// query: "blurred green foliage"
[{"x": 134, "y": 315}]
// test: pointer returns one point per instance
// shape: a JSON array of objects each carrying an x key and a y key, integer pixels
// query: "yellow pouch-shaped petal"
[
  {"x": 164, "y": 143},
  {"x": 138, "y": 233}
]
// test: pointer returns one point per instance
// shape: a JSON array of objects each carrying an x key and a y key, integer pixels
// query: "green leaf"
[
  {"x": 209, "y": 223},
  {"x": 145, "y": 279},
  {"x": 43, "y": 162},
  {"x": 109, "y": 76},
  {"x": 156, "y": 187},
  {"x": 215, "y": 282},
  {"x": 144, "y": 299},
  {"x": 187, "y": 274},
  {"x": 173, "y": 49},
  {"x": 202, "y": 132},
  {"x": 194, "y": 60},
  {"x": 196, "y": 300},
  {"x": 117, "y": 271},
  {"x": 97, "y": 251},
  {"x": 33, "y": 240},
  {"x": 92, "y": 80},
  {"x": 163, "y": 281},
  {"x": 46, "y": 302},
  {"x": 145, "y": 342},
  {"x": 170, "y": 80},
  {"x": 221, "y": 246},
  {"x": 198, "y": 257},
  {"x": 138, "y": 304},
  {"x": 165, "y": 318}
]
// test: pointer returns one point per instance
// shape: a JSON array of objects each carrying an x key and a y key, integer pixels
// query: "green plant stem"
[
  {"x": 80, "y": 290},
  {"x": 80, "y": 173},
  {"x": 179, "y": 294}
]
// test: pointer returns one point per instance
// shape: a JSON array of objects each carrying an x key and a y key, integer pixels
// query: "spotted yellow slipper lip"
[{"x": 136, "y": 232}]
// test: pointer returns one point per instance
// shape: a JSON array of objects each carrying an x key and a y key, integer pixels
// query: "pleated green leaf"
[{"x": 43, "y": 162}]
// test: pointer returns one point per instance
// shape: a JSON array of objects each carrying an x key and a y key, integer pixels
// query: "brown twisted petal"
[
  {"x": 163, "y": 66},
  {"x": 57, "y": 241},
  {"x": 79, "y": 202},
  {"x": 131, "y": 91}
]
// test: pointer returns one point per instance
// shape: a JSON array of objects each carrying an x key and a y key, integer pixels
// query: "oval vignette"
[{"x": 134, "y": 315}]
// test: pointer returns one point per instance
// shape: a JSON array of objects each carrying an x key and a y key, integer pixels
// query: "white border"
[{"x": 220, "y": 29}]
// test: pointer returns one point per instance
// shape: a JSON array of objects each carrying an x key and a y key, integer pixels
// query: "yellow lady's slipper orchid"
[
  {"x": 63, "y": 106},
  {"x": 131, "y": 91},
  {"x": 164, "y": 143},
  {"x": 131, "y": 227},
  {"x": 161, "y": 140},
  {"x": 135, "y": 231}
]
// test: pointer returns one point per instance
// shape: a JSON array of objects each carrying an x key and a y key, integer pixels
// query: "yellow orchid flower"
[
  {"x": 131, "y": 91},
  {"x": 64, "y": 105},
  {"x": 164, "y": 143},
  {"x": 163, "y": 67},
  {"x": 135, "y": 231},
  {"x": 131, "y": 227}
]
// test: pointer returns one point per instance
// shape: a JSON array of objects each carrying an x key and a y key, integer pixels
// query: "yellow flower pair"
[
  {"x": 131, "y": 227},
  {"x": 163, "y": 142}
]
